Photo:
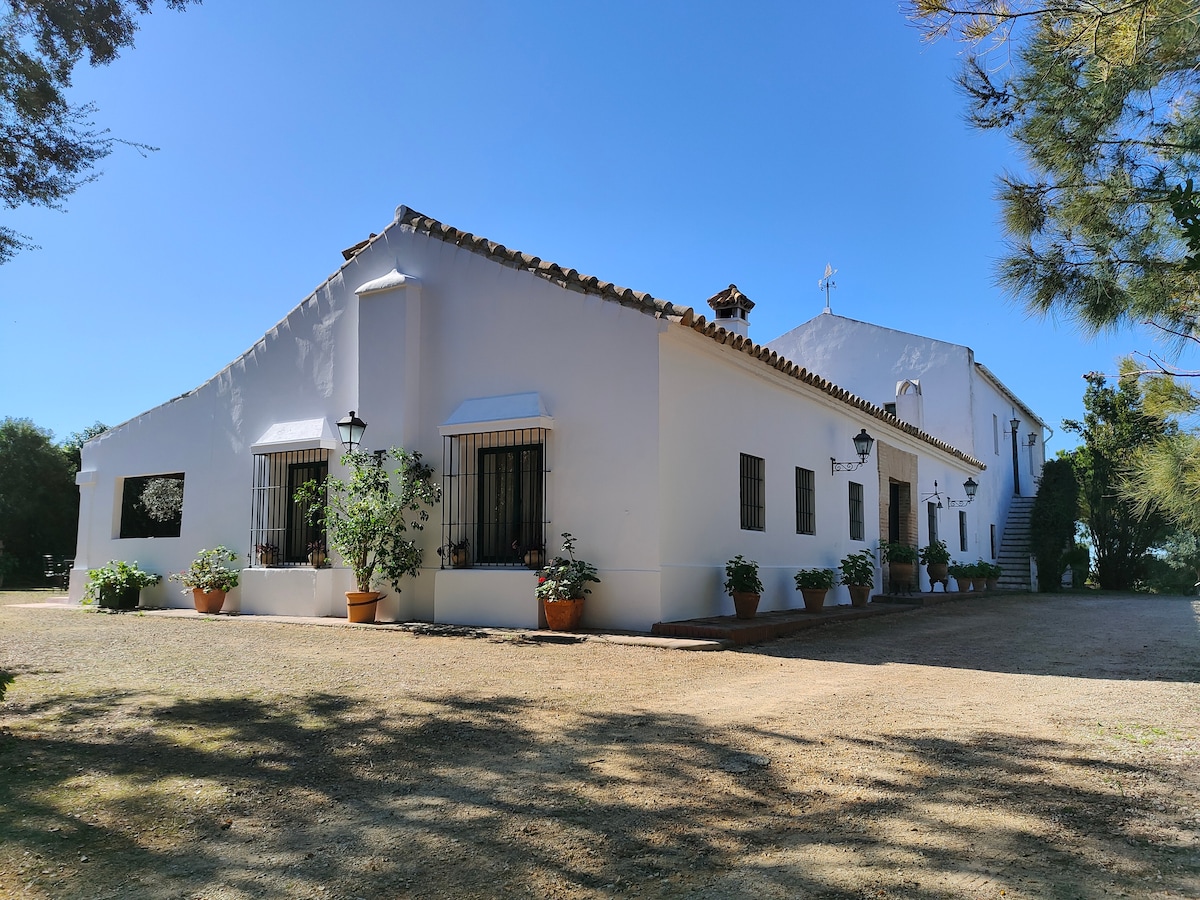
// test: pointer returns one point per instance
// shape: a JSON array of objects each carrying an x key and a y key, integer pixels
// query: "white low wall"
[{"x": 291, "y": 592}]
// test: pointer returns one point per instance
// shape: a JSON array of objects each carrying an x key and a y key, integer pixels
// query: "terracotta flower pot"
[
  {"x": 901, "y": 575},
  {"x": 208, "y": 602},
  {"x": 860, "y": 594},
  {"x": 360, "y": 606},
  {"x": 563, "y": 615},
  {"x": 745, "y": 604},
  {"x": 964, "y": 584},
  {"x": 993, "y": 584},
  {"x": 535, "y": 558},
  {"x": 814, "y": 598},
  {"x": 978, "y": 584}
]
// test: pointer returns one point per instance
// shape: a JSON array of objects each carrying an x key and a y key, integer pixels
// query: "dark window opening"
[
  {"x": 494, "y": 498},
  {"x": 931, "y": 514},
  {"x": 510, "y": 502},
  {"x": 806, "y": 501},
  {"x": 858, "y": 527},
  {"x": 753, "y": 493},
  {"x": 962, "y": 531},
  {"x": 278, "y": 522},
  {"x": 152, "y": 506}
]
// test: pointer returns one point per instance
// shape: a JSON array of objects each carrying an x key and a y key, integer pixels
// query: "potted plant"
[
  {"x": 561, "y": 585},
  {"x": 979, "y": 570},
  {"x": 209, "y": 578},
  {"x": 534, "y": 556},
  {"x": 318, "y": 556},
  {"x": 858, "y": 574},
  {"x": 457, "y": 553},
  {"x": 902, "y": 562},
  {"x": 813, "y": 584},
  {"x": 369, "y": 519},
  {"x": 267, "y": 554},
  {"x": 743, "y": 585},
  {"x": 117, "y": 584},
  {"x": 992, "y": 573},
  {"x": 959, "y": 572},
  {"x": 935, "y": 557}
]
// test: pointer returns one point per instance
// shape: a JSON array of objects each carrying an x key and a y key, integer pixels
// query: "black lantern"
[
  {"x": 970, "y": 487},
  {"x": 863, "y": 443},
  {"x": 351, "y": 429}
]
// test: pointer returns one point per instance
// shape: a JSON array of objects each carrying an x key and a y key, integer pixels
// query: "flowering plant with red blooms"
[{"x": 566, "y": 578}]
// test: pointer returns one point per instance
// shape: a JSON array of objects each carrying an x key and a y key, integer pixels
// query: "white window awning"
[
  {"x": 510, "y": 412},
  {"x": 308, "y": 434}
]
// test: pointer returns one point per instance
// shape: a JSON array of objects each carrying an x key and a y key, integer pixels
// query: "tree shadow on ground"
[
  {"x": 1078, "y": 637},
  {"x": 325, "y": 796}
]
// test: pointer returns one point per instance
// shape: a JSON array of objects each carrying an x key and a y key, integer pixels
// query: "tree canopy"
[
  {"x": 1116, "y": 425},
  {"x": 1103, "y": 98},
  {"x": 39, "y": 502},
  {"x": 48, "y": 144}
]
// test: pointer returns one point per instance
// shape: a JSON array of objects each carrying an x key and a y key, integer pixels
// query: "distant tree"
[
  {"x": 1180, "y": 553},
  {"x": 39, "y": 503},
  {"x": 1052, "y": 521},
  {"x": 73, "y": 445},
  {"x": 1101, "y": 95},
  {"x": 48, "y": 144},
  {"x": 1115, "y": 426}
]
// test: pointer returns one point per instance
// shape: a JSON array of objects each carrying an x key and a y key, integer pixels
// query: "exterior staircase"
[{"x": 1014, "y": 547}]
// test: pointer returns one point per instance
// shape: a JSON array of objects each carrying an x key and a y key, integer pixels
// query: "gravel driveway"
[{"x": 1007, "y": 747}]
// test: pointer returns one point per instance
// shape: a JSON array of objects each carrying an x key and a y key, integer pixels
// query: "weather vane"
[{"x": 826, "y": 283}]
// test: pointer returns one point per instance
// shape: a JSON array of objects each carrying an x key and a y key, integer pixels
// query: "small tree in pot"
[
  {"x": 561, "y": 585},
  {"x": 858, "y": 574},
  {"x": 369, "y": 519},
  {"x": 743, "y": 585},
  {"x": 814, "y": 584}
]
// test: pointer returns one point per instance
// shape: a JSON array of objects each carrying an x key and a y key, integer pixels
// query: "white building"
[
  {"x": 666, "y": 443},
  {"x": 942, "y": 389}
]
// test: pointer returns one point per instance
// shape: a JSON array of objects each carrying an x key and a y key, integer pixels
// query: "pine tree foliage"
[
  {"x": 48, "y": 144},
  {"x": 1103, "y": 97}
]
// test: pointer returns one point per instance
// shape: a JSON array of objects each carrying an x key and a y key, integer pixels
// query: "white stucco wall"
[{"x": 960, "y": 404}]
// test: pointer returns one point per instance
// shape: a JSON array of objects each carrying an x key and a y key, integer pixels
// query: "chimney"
[{"x": 732, "y": 308}]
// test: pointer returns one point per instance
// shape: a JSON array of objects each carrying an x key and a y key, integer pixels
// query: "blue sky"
[{"x": 671, "y": 147}]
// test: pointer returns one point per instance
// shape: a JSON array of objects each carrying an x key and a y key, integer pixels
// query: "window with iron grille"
[
  {"x": 494, "y": 495},
  {"x": 753, "y": 493},
  {"x": 806, "y": 501},
  {"x": 931, "y": 509},
  {"x": 858, "y": 530},
  {"x": 277, "y": 520}
]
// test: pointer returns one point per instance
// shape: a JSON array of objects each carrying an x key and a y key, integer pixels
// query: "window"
[
  {"x": 494, "y": 495},
  {"x": 996, "y": 433},
  {"x": 890, "y": 408},
  {"x": 993, "y": 541},
  {"x": 806, "y": 502},
  {"x": 753, "y": 493},
  {"x": 857, "y": 519},
  {"x": 962, "y": 531},
  {"x": 931, "y": 517},
  {"x": 151, "y": 506},
  {"x": 510, "y": 501},
  {"x": 276, "y": 519}
]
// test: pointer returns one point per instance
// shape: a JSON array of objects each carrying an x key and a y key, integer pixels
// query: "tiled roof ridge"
[
  {"x": 563, "y": 277},
  {"x": 664, "y": 309}
]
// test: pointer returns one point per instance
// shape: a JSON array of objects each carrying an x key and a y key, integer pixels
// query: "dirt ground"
[{"x": 1023, "y": 747}]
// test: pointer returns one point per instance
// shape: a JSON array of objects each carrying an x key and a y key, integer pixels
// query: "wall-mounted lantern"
[
  {"x": 863, "y": 443},
  {"x": 351, "y": 429}
]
